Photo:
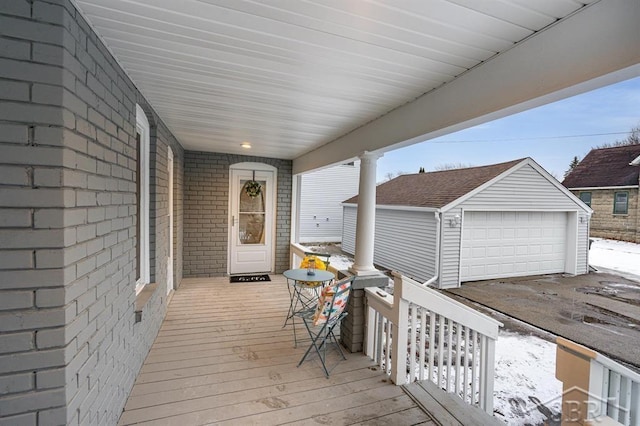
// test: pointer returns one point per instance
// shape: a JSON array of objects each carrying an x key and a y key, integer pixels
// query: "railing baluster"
[
  {"x": 614, "y": 395},
  {"x": 449, "y": 352},
  {"x": 379, "y": 332},
  {"x": 432, "y": 343},
  {"x": 440, "y": 349},
  {"x": 423, "y": 346},
  {"x": 474, "y": 368},
  {"x": 369, "y": 336},
  {"x": 483, "y": 370},
  {"x": 458, "y": 364},
  {"x": 625, "y": 400},
  {"x": 413, "y": 345},
  {"x": 635, "y": 402},
  {"x": 387, "y": 357},
  {"x": 467, "y": 352}
]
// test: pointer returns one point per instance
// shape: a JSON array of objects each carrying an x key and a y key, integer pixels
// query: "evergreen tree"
[
  {"x": 572, "y": 165},
  {"x": 421, "y": 170}
]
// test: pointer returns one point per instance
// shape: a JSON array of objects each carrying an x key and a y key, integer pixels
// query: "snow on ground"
[
  {"x": 525, "y": 380},
  {"x": 618, "y": 256},
  {"x": 341, "y": 262}
]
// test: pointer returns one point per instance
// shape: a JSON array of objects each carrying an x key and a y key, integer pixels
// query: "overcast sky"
[{"x": 551, "y": 134}]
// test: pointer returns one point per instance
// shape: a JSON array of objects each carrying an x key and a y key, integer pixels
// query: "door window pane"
[{"x": 251, "y": 214}]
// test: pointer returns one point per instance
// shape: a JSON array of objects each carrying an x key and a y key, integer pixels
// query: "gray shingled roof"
[
  {"x": 605, "y": 167},
  {"x": 435, "y": 189}
]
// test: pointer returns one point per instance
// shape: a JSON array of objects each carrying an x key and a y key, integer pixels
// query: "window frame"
[
  {"x": 615, "y": 203},
  {"x": 143, "y": 273},
  {"x": 590, "y": 197}
]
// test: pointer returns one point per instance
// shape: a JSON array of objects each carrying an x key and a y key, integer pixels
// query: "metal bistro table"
[{"x": 304, "y": 290}]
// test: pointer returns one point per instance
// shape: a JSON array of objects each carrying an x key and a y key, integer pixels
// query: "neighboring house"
[
  {"x": 321, "y": 196},
  {"x": 503, "y": 220},
  {"x": 607, "y": 180}
]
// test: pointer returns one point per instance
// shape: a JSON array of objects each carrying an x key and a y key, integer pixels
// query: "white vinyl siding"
[
  {"x": 583, "y": 244},
  {"x": 321, "y": 196},
  {"x": 450, "y": 250},
  {"x": 405, "y": 241},
  {"x": 525, "y": 190},
  {"x": 349, "y": 229}
]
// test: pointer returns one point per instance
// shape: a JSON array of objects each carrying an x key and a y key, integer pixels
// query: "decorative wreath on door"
[{"x": 252, "y": 188}]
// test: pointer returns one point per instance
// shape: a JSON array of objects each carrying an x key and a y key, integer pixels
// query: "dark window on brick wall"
[
  {"x": 621, "y": 202},
  {"x": 585, "y": 197}
]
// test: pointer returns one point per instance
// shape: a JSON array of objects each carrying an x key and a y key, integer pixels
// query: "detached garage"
[{"x": 498, "y": 221}]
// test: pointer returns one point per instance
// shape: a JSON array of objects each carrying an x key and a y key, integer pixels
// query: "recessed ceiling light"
[{"x": 245, "y": 145}]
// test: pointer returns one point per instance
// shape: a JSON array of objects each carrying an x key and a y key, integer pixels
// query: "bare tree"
[
  {"x": 452, "y": 166},
  {"x": 390, "y": 175},
  {"x": 633, "y": 138}
]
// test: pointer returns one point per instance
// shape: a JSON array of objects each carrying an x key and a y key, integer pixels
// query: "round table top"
[{"x": 301, "y": 275}]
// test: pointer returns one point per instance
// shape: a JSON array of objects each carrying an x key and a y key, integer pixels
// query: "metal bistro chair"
[{"x": 321, "y": 320}]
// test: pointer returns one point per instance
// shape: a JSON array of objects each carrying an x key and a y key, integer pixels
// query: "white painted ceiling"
[{"x": 289, "y": 76}]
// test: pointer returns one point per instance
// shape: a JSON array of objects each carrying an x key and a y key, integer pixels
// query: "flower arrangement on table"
[{"x": 318, "y": 264}]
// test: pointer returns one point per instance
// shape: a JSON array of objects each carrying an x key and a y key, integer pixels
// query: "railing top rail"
[
  {"x": 379, "y": 300},
  {"x": 618, "y": 368},
  {"x": 438, "y": 303},
  {"x": 598, "y": 357}
]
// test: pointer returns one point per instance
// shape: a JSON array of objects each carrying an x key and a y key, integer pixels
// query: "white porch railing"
[
  {"x": 618, "y": 390},
  {"x": 613, "y": 392},
  {"x": 421, "y": 334}
]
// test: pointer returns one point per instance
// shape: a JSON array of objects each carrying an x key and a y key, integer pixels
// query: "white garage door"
[{"x": 509, "y": 244}]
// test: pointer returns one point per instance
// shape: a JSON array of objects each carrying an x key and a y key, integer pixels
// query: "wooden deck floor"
[{"x": 222, "y": 357}]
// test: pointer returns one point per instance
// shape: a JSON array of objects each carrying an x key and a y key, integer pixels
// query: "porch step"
[{"x": 447, "y": 409}]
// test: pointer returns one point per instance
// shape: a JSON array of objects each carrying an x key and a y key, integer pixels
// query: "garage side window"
[
  {"x": 585, "y": 197},
  {"x": 621, "y": 202}
]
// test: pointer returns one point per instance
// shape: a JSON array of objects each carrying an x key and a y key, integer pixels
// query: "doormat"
[{"x": 249, "y": 278}]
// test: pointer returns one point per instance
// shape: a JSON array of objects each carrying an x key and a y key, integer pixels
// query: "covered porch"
[
  {"x": 121, "y": 127},
  {"x": 222, "y": 356}
]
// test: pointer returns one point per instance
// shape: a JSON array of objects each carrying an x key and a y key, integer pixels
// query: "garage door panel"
[
  {"x": 478, "y": 253},
  {"x": 503, "y": 244},
  {"x": 494, "y": 234},
  {"x": 494, "y": 252}
]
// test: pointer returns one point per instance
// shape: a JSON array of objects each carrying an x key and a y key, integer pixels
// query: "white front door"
[
  {"x": 170, "y": 222},
  {"x": 252, "y": 219}
]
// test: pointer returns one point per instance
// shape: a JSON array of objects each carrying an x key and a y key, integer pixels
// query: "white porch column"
[{"x": 366, "y": 218}]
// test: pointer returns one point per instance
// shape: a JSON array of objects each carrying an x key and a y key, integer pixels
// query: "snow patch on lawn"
[
  {"x": 525, "y": 379},
  {"x": 619, "y": 256}
]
